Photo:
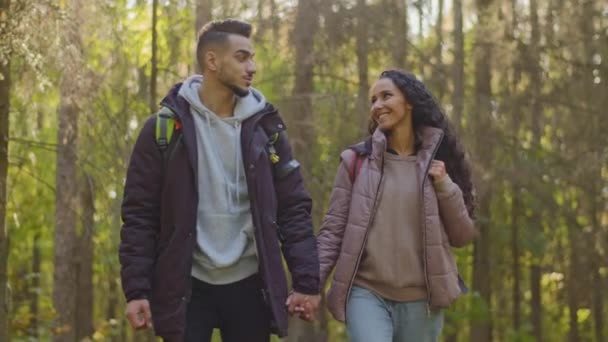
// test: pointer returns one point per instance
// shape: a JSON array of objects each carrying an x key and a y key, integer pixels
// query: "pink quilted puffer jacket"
[{"x": 446, "y": 223}]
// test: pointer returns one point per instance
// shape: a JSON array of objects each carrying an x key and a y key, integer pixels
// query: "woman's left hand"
[{"x": 437, "y": 170}]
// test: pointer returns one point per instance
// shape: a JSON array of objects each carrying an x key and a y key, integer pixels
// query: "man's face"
[{"x": 236, "y": 66}]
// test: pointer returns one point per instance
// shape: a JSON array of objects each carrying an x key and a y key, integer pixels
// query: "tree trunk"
[
  {"x": 572, "y": 290},
  {"x": 362, "y": 63},
  {"x": 203, "y": 15},
  {"x": 5, "y": 87},
  {"x": 35, "y": 287},
  {"x": 598, "y": 305},
  {"x": 143, "y": 87},
  {"x": 458, "y": 66},
  {"x": 303, "y": 132},
  {"x": 66, "y": 195},
  {"x": 84, "y": 257},
  {"x": 438, "y": 73},
  {"x": 65, "y": 218},
  {"x": 154, "y": 61},
  {"x": 595, "y": 259},
  {"x": 516, "y": 213},
  {"x": 306, "y": 27},
  {"x": 400, "y": 33},
  {"x": 458, "y": 91},
  {"x": 482, "y": 331},
  {"x": 112, "y": 305},
  {"x": 537, "y": 114},
  {"x": 275, "y": 20},
  {"x": 261, "y": 21},
  {"x": 172, "y": 34},
  {"x": 419, "y": 4},
  {"x": 595, "y": 96}
]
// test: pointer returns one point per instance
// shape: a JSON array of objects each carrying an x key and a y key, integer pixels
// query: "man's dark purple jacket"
[{"x": 159, "y": 219}]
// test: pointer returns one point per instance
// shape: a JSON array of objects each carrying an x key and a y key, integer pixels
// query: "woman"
[{"x": 400, "y": 200}]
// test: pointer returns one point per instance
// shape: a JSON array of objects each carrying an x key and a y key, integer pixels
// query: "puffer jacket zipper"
[
  {"x": 369, "y": 223},
  {"x": 423, "y": 210}
]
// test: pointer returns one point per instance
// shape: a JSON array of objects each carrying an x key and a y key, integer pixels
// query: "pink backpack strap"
[{"x": 353, "y": 163}]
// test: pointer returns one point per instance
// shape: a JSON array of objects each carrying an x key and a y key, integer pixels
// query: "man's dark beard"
[{"x": 236, "y": 90}]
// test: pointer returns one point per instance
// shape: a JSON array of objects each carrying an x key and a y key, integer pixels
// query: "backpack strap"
[
  {"x": 166, "y": 122},
  {"x": 353, "y": 161},
  {"x": 275, "y": 128}
]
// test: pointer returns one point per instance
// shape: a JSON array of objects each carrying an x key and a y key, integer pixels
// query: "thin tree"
[
  {"x": 458, "y": 65},
  {"x": 84, "y": 258},
  {"x": 202, "y": 15},
  {"x": 594, "y": 96},
  {"x": 303, "y": 132},
  {"x": 362, "y": 51},
  {"x": 572, "y": 288},
  {"x": 438, "y": 74},
  {"x": 5, "y": 89},
  {"x": 399, "y": 24},
  {"x": 536, "y": 114},
  {"x": 154, "y": 61},
  {"x": 305, "y": 30},
  {"x": 516, "y": 194},
  {"x": 482, "y": 331},
  {"x": 35, "y": 286},
  {"x": 66, "y": 195}
]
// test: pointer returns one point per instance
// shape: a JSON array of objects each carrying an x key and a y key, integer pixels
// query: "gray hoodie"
[{"x": 225, "y": 251}]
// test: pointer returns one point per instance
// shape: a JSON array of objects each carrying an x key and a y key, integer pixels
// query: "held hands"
[
  {"x": 305, "y": 306},
  {"x": 437, "y": 171},
  {"x": 138, "y": 314}
]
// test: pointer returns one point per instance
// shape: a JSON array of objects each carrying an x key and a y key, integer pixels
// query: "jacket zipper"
[
  {"x": 266, "y": 290},
  {"x": 369, "y": 223},
  {"x": 424, "y": 251}
]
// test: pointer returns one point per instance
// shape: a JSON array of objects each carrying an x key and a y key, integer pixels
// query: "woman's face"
[{"x": 389, "y": 107}]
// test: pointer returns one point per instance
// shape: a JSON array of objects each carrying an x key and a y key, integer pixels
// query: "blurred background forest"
[{"x": 524, "y": 81}]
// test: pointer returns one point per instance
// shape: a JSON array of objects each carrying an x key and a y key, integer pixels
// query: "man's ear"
[{"x": 211, "y": 60}]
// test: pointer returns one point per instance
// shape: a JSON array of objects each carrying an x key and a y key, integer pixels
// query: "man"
[{"x": 206, "y": 218}]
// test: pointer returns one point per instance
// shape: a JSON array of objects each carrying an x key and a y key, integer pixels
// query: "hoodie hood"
[{"x": 245, "y": 106}]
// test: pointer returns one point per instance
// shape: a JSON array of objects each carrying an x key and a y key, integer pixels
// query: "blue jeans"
[{"x": 370, "y": 318}]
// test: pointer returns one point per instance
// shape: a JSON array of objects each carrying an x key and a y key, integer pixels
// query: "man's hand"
[
  {"x": 304, "y": 305},
  {"x": 138, "y": 314}
]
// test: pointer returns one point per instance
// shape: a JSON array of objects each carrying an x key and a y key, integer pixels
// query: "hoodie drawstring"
[{"x": 237, "y": 148}]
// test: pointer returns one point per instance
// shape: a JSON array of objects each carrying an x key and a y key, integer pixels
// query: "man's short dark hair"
[{"x": 217, "y": 32}]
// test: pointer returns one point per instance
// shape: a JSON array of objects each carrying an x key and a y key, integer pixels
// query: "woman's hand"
[{"x": 437, "y": 171}]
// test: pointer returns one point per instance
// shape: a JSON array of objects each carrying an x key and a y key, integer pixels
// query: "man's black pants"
[{"x": 237, "y": 309}]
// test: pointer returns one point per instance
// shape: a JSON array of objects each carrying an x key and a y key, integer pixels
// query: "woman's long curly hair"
[{"x": 427, "y": 112}]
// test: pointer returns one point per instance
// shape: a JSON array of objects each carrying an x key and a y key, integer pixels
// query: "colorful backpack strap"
[
  {"x": 166, "y": 122},
  {"x": 274, "y": 127},
  {"x": 274, "y": 157}
]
